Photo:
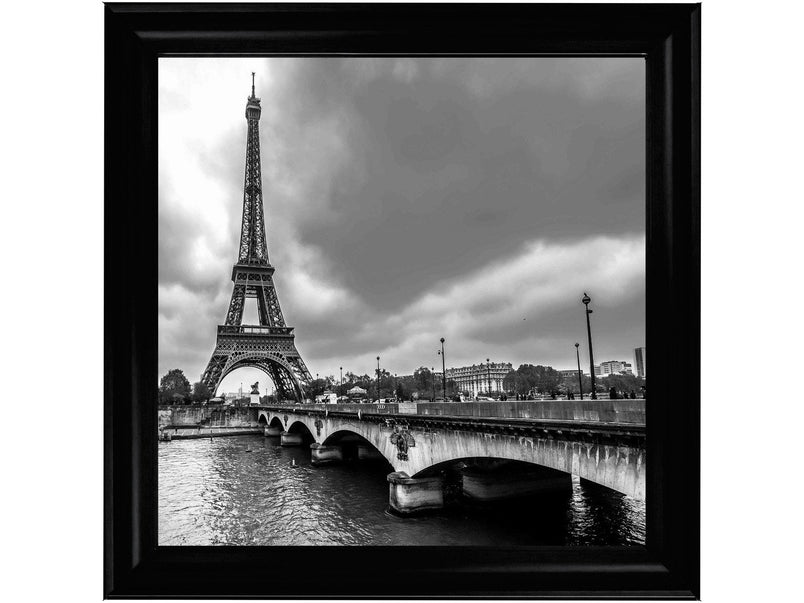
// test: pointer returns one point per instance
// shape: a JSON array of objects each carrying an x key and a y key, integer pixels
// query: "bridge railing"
[{"x": 603, "y": 411}]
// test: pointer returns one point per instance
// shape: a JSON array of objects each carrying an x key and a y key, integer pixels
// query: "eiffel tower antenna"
[{"x": 270, "y": 345}]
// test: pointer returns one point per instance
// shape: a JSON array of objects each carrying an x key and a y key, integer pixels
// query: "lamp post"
[
  {"x": 580, "y": 374},
  {"x": 341, "y": 381},
  {"x": 586, "y": 299},
  {"x": 443, "y": 372},
  {"x": 488, "y": 375},
  {"x": 432, "y": 372},
  {"x": 378, "y": 379}
]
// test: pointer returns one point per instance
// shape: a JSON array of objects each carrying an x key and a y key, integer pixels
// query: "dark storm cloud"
[
  {"x": 396, "y": 193},
  {"x": 457, "y": 178}
]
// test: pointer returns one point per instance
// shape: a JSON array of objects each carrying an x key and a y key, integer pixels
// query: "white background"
[{"x": 52, "y": 145}]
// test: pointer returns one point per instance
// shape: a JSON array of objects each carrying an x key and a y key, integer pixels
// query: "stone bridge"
[{"x": 486, "y": 444}]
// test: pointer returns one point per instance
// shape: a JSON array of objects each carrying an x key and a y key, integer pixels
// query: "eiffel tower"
[{"x": 270, "y": 345}]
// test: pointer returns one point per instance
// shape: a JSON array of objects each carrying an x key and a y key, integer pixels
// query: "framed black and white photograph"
[
  {"x": 418, "y": 206},
  {"x": 391, "y": 272}
]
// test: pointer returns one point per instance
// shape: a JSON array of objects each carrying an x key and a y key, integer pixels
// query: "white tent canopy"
[{"x": 356, "y": 390}]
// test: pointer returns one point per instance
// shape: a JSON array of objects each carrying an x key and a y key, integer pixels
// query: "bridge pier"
[
  {"x": 481, "y": 486},
  {"x": 291, "y": 439},
  {"x": 407, "y": 495},
  {"x": 270, "y": 431},
  {"x": 324, "y": 455}
]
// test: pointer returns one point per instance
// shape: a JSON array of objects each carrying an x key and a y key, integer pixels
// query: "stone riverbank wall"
[{"x": 183, "y": 422}]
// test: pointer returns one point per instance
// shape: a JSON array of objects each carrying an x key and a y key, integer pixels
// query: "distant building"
[
  {"x": 639, "y": 356},
  {"x": 569, "y": 373},
  {"x": 480, "y": 378},
  {"x": 614, "y": 367},
  {"x": 233, "y": 396},
  {"x": 327, "y": 397}
]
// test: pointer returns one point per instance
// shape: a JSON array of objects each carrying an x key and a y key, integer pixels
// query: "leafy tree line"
[
  {"x": 419, "y": 385},
  {"x": 174, "y": 388},
  {"x": 423, "y": 384},
  {"x": 529, "y": 380}
]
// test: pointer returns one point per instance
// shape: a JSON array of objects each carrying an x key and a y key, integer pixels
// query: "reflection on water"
[{"x": 246, "y": 490}]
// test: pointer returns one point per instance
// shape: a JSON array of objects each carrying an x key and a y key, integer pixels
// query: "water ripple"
[{"x": 245, "y": 490}]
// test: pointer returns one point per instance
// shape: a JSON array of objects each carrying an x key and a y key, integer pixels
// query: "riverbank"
[{"x": 168, "y": 433}]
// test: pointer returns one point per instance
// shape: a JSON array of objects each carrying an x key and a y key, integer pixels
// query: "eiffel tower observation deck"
[{"x": 270, "y": 345}]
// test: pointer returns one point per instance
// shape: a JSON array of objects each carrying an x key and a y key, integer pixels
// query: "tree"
[
  {"x": 423, "y": 378},
  {"x": 570, "y": 384},
  {"x": 386, "y": 384},
  {"x": 201, "y": 393},
  {"x": 317, "y": 387},
  {"x": 624, "y": 384},
  {"x": 511, "y": 382},
  {"x": 528, "y": 378},
  {"x": 173, "y": 386},
  {"x": 547, "y": 379}
]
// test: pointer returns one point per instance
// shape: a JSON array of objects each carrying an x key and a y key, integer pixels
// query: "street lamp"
[
  {"x": 432, "y": 372},
  {"x": 580, "y": 374},
  {"x": 378, "y": 379},
  {"x": 443, "y": 372},
  {"x": 488, "y": 375},
  {"x": 586, "y": 299},
  {"x": 341, "y": 381}
]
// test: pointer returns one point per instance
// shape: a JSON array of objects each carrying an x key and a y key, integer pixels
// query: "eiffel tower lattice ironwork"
[{"x": 270, "y": 345}]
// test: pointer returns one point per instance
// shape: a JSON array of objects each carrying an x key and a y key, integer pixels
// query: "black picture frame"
[{"x": 669, "y": 38}]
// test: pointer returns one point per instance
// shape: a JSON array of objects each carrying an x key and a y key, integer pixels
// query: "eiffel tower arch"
[{"x": 269, "y": 346}]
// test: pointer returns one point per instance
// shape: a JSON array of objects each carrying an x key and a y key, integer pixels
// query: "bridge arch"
[
  {"x": 619, "y": 468},
  {"x": 300, "y": 427},
  {"x": 496, "y": 479},
  {"x": 262, "y": 419},
  {"x": 355, "y": 445},
  {"x": 489, "y": 465},
  {"x": 340, "y": 435}
]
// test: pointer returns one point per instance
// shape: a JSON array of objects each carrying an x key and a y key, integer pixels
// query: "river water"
[{"x": 246, "y": 490}]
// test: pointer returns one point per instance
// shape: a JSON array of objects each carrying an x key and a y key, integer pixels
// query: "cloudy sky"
[{"x": 408, "y": 200}]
